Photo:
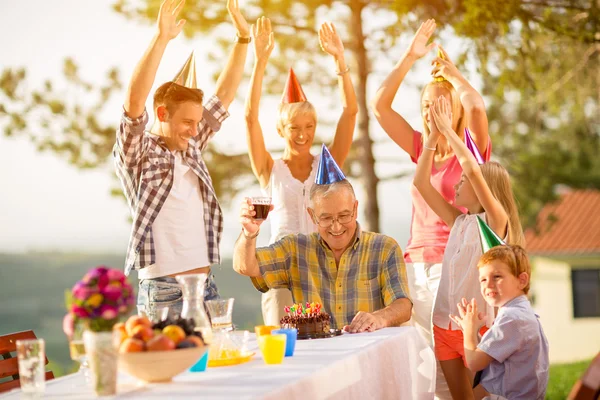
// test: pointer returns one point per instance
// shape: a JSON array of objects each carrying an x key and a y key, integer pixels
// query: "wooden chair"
[
  {"x": 588, "y": 387},
  {"x": 9, "y": 365}
]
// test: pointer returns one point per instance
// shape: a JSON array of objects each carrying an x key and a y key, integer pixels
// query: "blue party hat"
[{"x": 328, "y": 171}]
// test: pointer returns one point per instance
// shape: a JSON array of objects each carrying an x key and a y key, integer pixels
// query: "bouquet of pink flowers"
[{"x": 100, "y": 299}]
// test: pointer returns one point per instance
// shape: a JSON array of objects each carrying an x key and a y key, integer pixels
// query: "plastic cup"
[
  {"x": 272, "y": 348},
  {"x": 201, "y": 365},
  {"x": 290, "y": 343},
  {"x": 264, "y": 329}
]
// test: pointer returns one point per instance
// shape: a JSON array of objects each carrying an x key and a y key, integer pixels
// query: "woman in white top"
[{"x": 289, "y": 179}]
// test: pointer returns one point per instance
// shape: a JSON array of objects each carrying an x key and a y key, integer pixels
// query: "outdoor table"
[{"x": 392, "y": 363}]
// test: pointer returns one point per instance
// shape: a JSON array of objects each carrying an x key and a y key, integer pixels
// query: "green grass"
[{"x": 563, "y": 377}]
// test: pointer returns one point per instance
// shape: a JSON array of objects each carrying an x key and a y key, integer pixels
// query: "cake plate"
[{"x": 320, "y": 335}]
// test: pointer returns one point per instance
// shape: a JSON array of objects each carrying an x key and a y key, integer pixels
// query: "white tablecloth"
[{"x": 393, "y": 363}]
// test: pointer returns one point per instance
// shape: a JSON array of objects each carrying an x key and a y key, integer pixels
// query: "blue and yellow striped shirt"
[{"x": 370, "y": 276}]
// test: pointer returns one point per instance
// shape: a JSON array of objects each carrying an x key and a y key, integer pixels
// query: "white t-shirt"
[
  {"x": 290, "y": 198},
  {"x": 178, "y": 230}
]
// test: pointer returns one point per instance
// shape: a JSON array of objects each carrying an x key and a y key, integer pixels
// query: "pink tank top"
[{"x": 428, "y": 233}]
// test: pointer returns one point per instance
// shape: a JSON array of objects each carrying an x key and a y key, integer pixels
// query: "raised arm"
[
  {"x": 332, "y": 44},
  {"x": 496, "y": 215},
  {"x": 392, "y": 123},
  {"x": 145, "y": 71},
  {"x": 244, "y": 251},
  {"x": 260, "y": 159},
  {"x": 471, "y": 100},
  {"x": 422, "y": 180},
  {"x": 229, "y": 80}
]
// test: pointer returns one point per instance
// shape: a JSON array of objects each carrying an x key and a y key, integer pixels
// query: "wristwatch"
[{"x": 243, "y": 40}]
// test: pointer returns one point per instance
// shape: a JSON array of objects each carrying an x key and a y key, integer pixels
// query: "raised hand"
[
  {"x": 247, "y": 213},
  {"x": 239, "y": 22},
  {"x": 262, "y": 36},
  {"x": 419, "y": 47},
  {"x": 168, "y": 26},
  {"x": 444, "y": 67},
  {"x": 442, "y": 116},
  {"x": 330, "y": 41}
]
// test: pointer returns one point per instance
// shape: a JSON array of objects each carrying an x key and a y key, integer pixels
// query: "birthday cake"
[{"x": 309, "y": 320}]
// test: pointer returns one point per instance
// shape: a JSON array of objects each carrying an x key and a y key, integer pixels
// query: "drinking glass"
[
  {"x": 262, "y": 206},
  {"x": 220, "y": 312},
  {"x": 31, "y": 357}
]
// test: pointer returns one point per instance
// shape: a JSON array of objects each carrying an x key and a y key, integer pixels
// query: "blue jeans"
[{"x": 158, "y": 293}]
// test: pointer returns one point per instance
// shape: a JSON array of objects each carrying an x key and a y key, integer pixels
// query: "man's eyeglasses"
[{"x": 326, "y": 222}]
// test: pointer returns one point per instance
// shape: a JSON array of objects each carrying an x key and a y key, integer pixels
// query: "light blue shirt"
[{"x": 519, "y": 348}]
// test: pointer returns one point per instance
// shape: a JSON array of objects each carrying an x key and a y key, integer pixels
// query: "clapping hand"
[
  {"x": 469, "y": 319},
  {"x": 441, "y": 116}
]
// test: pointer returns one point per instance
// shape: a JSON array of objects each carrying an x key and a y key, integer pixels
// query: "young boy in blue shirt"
[{"x": 513, "y": 354}]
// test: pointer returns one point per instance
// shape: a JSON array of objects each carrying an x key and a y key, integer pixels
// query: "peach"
[
  {"x": 174, "y": 332},
  {"x": 131, "y": 345},
  {"x": 136, "y": 320},
  {"x": 120, "y": 335},
  {"x": 160, "y": 343},
  {"x": 142, "y": 332},
  {"x": 119, "y": 327}
]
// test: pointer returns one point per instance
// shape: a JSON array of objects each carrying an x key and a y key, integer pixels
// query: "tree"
[
  {"x": 65, "y": 120},
  {"x": 509, "y": 47}
]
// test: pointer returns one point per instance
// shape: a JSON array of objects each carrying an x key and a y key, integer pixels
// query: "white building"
[{"x": 565, "y": 287}]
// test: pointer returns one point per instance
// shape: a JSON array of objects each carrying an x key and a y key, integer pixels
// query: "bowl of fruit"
[{"x": 157, "y": 352}]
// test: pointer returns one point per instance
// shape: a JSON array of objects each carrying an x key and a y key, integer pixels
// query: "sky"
[{"x": 47, "y": 204}]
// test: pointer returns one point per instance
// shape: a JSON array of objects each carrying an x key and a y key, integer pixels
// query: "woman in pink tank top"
[
  {"x": 290, "y": 177},
  {"x": 428, "y": 233}
]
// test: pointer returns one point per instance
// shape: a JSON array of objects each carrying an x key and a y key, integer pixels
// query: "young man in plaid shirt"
[{"x": 177, "y": 220}]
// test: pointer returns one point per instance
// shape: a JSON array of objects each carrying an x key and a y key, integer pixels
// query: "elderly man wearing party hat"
[
  {"x": 177, "y": 220},
  {"x": 358, "y": 276}
]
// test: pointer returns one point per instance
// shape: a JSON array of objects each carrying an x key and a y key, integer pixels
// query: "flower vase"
[{"x": 102, "y": 354}]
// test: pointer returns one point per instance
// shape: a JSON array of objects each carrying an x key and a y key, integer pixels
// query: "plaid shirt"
[
  {"x": 145, "y": 168},
  {"x": 370, "y": 276}
]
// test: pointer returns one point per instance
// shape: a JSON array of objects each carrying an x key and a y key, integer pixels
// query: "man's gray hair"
[{"x": 325, "y": 190}]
